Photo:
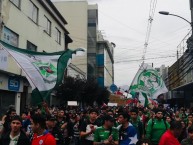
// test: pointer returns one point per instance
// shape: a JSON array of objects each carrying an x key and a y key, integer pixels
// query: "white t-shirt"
[{"x": 14, "y": 140}]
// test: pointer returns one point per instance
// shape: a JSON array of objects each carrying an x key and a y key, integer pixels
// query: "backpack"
[{"x": 153, "y": 122}]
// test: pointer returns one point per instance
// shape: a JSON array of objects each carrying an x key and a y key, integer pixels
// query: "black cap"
[
  {"x": 51, "y": 118},
  {"x": 190, "y": 129},
  {"x": 158, "y": 110},
  {"x": 104, "y": 108},
  {"x": 93, "y": 110},
  {"x": 16, "y": 117},
  {"x": 108, "y": 118}
]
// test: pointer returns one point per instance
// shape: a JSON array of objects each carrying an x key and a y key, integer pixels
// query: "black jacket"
[
  {"x": 23, "y": 139},
  {"x": 57, "y": 135}
]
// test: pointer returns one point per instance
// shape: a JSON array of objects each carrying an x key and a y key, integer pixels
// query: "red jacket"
[
  {"x": 46, "y": 139},
  {"x": 168, "y": 139}
]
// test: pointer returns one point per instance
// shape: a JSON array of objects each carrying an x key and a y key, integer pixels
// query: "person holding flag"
[
  {"x": 147, "y": 84},
  {"x": 127, "y": 132}
]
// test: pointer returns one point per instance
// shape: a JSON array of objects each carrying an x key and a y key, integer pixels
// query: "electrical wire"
[{"x": 153, "y": 4}]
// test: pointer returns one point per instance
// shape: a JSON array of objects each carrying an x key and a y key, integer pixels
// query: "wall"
[
  {"x": 92, "y": 40},
  {"x": 17, "y": 20},
  {"x": 75, "y": 12}
]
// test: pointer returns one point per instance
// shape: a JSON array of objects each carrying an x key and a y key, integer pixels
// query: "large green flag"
[
  {"x": 148, "y": 84},
  {"x": 44, "y": 71}
]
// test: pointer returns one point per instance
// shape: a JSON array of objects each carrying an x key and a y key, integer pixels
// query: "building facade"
[
  {"x": 100, "y": 52},
  {"x": 75, "y": 12},
  {"x": 83, "y": 26},
  {"x": 105, "y": 62},
  {"x": 180, "y": 77},
  {"x": 30, "y": 24},
  {"x": 163, "y": 72}
]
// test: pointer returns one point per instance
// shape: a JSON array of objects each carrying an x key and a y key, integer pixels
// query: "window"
[
  {"x": 10, "y": 37},
  {"x": 33, "y": 12},
  {"x": 31, "y": 46},
  {"x": 48, "y": 26},
  {"x": 16, "y": 2},
  {"x": 58, "y": 36},
  {"x": 100, "y": 59}
]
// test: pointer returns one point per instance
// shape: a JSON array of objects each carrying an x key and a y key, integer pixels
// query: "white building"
[
  {"x": 76, "y": 14},
  {"x": 30, "y": 24},
  {"x": 83, "y": 26},
  {"x": 163, "y": 72}
]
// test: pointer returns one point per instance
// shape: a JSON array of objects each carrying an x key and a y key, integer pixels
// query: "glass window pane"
[
  {"x": 33, "y": 12},
  {"x": 10, "y": 37},
  {"x": 31, "y": 46},
  {"x": 16, "y": 2},
  {"x": 48, "y": 25},
  {"x": 58, "y": 36}
]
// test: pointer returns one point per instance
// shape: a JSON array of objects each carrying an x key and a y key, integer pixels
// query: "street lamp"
[
  {"x": 190, "y": 39},
  {"x": 167, "y": 13}
]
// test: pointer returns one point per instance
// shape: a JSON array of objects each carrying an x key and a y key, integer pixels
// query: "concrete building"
[
  {"x": 163, "y": 72},
  {"x": 180, "y": 77},
  {"x": 30, "y": 24},
  {"x": 105, "y": 62},
  {"x": 83, "y": 27},
  {"x": 75, "y": 12},
  {"x": 180, "y": 74}
]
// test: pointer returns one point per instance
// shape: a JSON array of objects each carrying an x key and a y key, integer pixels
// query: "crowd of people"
[{"x": 44, "y": 125}]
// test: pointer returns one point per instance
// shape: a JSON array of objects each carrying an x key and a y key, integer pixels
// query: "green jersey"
[
  {"x": 155, "y": 129},
  {"x": 102, "y": 134}
]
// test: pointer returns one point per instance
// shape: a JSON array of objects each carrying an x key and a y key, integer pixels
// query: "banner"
[
  {"x": 44, "y": 71},
  {"x": 3, "y": 60},
  {"x": 72, "y": 103},
  {"x": 147, "y": 84}
]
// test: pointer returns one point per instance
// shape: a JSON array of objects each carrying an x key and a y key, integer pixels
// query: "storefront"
[{"x": 11, "y": 87}]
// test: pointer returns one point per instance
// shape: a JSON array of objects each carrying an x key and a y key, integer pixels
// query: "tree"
[{"x": 82, "y": 90}]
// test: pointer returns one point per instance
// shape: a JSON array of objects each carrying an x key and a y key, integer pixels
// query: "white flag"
[
  {"x": 148, "y": 81},
  {"x": 43, "y": 70}
]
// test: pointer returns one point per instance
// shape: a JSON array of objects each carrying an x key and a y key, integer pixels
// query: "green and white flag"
[
  {"x": 44, "y": 71},
  {"x": 148, "y": 84}
]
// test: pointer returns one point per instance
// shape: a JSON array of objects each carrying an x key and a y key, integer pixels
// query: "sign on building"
[
  {"x": 13, "y": 84},
  {"x": 3, "y": 59}
]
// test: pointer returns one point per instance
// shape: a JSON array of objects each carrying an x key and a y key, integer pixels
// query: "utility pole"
[
  {"x": 191, "y": 9},
  {"x": 190, "y": 39}
]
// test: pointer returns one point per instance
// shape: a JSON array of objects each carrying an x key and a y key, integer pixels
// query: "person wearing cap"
[
  {"x": 7, "y": 120},
  {"x": 170, "y": 137},
  {"x": 16, "y": 136},
  {"x": 88, "y": 127},
  {"x": 84, "y": 116},
  {"x": 106, "y": 134},
  {"x": 127, "y": 132},
  {"x": 64, "y": 125},
  {"x": 137, "y": 123},
  {"x": 156, "y": 127},
  {"x": 111, "y": 113},
  {"x": 51, "y": 127},
  {"x": 103, "y": 112},
  {"x": 41, "y": 136},
  {"x": 76, "y": 130}
]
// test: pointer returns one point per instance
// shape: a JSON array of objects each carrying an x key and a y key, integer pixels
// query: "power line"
[{"x": 150, "y": 20}]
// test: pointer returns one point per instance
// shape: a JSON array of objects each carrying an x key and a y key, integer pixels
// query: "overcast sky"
[{"x": 124, "y": 22}]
